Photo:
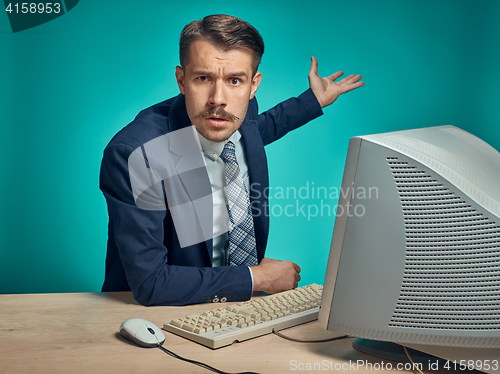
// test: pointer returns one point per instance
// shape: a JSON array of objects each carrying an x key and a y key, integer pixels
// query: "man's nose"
[{"x": 218, "y": 95}]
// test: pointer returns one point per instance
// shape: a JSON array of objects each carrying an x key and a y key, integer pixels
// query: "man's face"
[{"x": 217, "y": 86}]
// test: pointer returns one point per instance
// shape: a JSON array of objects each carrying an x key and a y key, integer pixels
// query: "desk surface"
[{"x": 78, "y": 333}]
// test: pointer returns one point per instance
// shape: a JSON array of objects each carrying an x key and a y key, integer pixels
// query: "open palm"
[{"x": 326, "y": 89}]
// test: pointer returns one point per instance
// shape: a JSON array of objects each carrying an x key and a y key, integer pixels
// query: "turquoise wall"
[{"x": 67, "y": 86}]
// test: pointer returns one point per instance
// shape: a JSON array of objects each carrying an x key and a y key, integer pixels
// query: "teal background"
[{"x": 67, "y": 86}]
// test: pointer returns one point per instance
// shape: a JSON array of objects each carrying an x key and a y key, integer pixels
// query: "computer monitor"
[{"x": 415, "y": 253}]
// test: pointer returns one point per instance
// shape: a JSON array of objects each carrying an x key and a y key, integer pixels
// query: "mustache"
[{"x": 218, "y": 112}]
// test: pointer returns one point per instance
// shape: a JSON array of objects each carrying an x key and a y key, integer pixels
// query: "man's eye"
[
  {"x": 235, "y": 81},
  {"x": 203, "y": 79}
]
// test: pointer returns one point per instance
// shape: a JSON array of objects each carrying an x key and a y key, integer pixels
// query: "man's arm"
[
  {"x": 287, "y": 116},
  {"x": 136, "y": 236}
]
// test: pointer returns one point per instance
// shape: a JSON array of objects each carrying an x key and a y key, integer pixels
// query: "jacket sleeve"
[
  {"x": 287, "y": 116},
  {"x": 137, "y": 235}
]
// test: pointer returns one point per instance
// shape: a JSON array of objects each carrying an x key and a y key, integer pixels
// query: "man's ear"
[
  {"x": 255, "y": 84},
  {"x": 179, "y": 75}
]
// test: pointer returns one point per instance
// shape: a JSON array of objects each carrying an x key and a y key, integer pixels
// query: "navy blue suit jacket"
[{"x": 143, "y": 252}]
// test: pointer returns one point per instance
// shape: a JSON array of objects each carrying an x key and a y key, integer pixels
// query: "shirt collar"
[{"x": 213, "y": 149}]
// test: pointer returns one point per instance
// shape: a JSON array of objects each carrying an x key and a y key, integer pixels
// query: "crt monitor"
[{"x": 415, "y": 253}]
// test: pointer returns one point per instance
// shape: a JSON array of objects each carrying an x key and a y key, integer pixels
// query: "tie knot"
[{"x": 228, "y": 153}]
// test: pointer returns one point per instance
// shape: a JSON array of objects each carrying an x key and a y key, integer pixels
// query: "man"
[{"x": 188, "y": 217}]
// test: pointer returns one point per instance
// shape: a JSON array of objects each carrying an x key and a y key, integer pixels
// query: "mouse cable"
[
  {"x": 309, "y": 341},
  {"x": 413, "y": 364},
  {"x": 205, "y": 366}
]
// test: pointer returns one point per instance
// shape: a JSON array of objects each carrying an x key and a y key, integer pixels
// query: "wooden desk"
[{"x": 78, "y": 333}]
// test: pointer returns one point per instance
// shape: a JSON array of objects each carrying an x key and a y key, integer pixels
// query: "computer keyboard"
[{"x": 223, "y": 326}]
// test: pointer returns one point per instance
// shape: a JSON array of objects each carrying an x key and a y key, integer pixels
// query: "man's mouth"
[
  {"x": 217, "y": 121},
  {"x": 218, "y": 118}
]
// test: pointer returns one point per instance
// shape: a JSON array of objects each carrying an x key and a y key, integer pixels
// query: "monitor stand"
[{"x": 396, "y": 352}]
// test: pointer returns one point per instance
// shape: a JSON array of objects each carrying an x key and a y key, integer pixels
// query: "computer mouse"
[{"x": 142, "y": 332}]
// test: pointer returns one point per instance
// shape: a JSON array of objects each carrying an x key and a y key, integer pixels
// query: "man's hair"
[{"x": 224, "y": 32}]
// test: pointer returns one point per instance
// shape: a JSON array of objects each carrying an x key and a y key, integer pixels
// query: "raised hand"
[{"x": 326, "y": 89}]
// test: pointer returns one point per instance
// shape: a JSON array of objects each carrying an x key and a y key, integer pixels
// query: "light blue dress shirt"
[{"x": 215, "y": 167}]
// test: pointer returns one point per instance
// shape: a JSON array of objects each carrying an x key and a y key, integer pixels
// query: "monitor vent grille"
[{"x": 452, "y": 266}]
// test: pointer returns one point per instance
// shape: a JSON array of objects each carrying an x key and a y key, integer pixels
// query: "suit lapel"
[
  {"x": 259, "y": 179},
  {"x": 190, "y": 167}
]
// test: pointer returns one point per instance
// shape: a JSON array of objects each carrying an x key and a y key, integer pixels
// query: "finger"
[
  {"x": 336, "y": 75},
  {"x": 297, "y": 277},
  {"x": 353, "y": 78},
  {"x": 297, "y": 268},
  {"x": 296, "y": 282},
  {"x": 314, "y": 66},
  {"x": 353, "y": 86},
  {"x": 347, "y": 79}
]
